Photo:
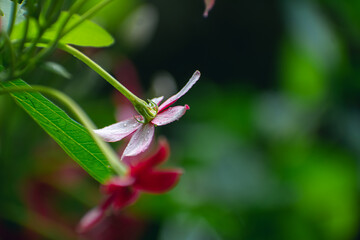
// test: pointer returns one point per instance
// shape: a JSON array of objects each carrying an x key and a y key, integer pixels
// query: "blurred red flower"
[{"x": 142, "y": 176}]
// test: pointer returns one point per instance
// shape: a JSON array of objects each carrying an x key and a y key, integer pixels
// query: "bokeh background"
[{"x": 270, "y": 147}]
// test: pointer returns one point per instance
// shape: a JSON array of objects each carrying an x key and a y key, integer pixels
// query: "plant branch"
[
  {"x": 12, "y": 53},
  {"x": 25, "y": 33},
  {"x": 140, "y": 105},
  {"x": 52, "y": 44},
  {"x": 13, "y": 16}
]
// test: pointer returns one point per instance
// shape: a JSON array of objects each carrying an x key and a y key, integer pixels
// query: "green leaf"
[
  {"x": 70, "y": 135},
  {"x": 87, "y": 34}
]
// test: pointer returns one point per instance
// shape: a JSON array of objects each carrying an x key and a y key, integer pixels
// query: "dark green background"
[{"x": 270, "y": 147}]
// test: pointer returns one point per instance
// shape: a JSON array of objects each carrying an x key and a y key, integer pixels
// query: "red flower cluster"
[{"x": 142, "y": 176}]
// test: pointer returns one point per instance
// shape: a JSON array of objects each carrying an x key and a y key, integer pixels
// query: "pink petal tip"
[
  {"x": 90, "y": 219},
  {"x": 209, "y": 4},
  {"x": 170, "y": 115},
  {"x": 194, "y": 78}
]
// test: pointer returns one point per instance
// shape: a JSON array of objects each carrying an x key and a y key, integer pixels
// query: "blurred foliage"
[{"x": 270, "y": 147}]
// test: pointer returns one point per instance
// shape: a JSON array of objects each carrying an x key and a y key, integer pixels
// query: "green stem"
[
  {"x": 52, "y": 45},
  {"x": 85, "y": 59},
  {"x": 12, "y": 53},
  {"x": 140, "y": 105},
  {"x": 13, "y": 17},
  {"x": 29, "y": 51},
  {"x": 25, "y": 33},
  {"x": 62, "y": 31},
  {"x": 117, "y": 166}
]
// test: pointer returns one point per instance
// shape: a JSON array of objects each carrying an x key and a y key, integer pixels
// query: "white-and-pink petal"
[
  {"x": 184, "y": 90},
  {"x": 118, "y": 131},
  {"x": 140, "y": 141},
  {"x": 157, "y": 100},
  {"x": 170, "y": 115}
]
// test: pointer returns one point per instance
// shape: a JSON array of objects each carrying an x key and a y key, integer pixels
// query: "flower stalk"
[{"x": 144, "y": 109}]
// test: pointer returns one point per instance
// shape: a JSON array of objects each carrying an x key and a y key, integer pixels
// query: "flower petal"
[
  {"x": 158, "y": 181},
  {"x": 208, "y": 6},
  {"x": 117, "y": 183},
  {"x": 90, "y": 219},
  {"x": 157, "y": 100},
  {"x": 118, "y": 131},
  {"x": 184, "y": 90},
  {"x": 125, "y": 197},
  {"x": 140, "y": 141},
  {"x": 148, "y": 164},
  {"x": 169, "y": 115},
  {"x": 126, "y": 111}
]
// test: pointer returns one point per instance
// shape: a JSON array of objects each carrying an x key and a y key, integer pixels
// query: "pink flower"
[
  {"x": 209, "y": 4},
  {"x": 142, "y": 176},
  {"x": 143, "y": 133}
]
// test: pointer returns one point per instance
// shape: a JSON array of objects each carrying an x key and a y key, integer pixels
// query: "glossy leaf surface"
[
  {"x": 87, "y": 34},
  {"x": 73, "y": 138}
]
